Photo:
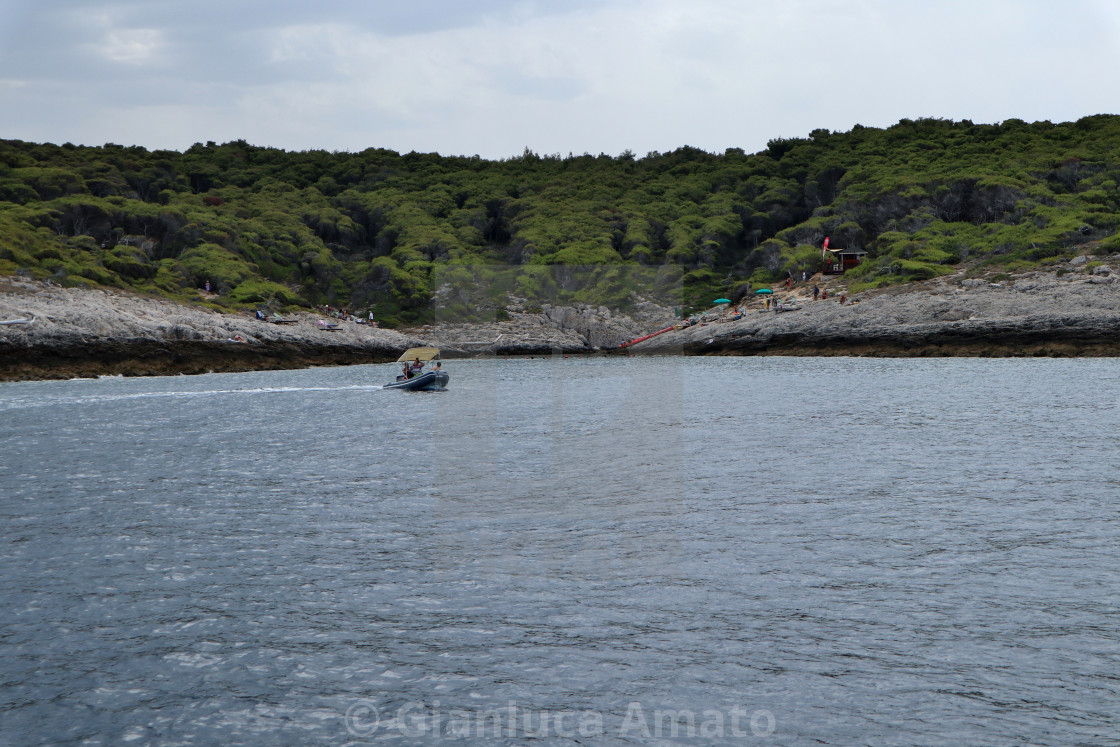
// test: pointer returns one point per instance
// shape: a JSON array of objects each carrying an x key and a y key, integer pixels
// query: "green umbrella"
[
  {"x": 722, "y": 300},
  {"x": 763, "y": 290}
]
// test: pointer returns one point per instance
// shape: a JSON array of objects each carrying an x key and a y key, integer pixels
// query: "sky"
[{"x": 494, "y": 77}]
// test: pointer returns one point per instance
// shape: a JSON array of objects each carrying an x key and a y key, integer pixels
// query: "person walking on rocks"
[{"x": 816, "y": 293}]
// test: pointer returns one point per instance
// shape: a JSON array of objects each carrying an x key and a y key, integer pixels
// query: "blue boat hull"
[{"x": 430, "y": 381}]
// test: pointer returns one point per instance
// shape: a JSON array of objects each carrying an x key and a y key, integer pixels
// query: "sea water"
[{"x": 566, "y": 551}]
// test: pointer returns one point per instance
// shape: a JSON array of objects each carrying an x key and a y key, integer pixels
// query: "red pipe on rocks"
[{"x": 639, "y": 339}]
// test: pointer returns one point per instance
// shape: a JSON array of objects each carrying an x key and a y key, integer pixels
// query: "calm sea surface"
[{"x": 788, "y": 551}]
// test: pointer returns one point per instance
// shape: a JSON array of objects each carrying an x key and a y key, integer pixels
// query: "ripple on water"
[{"x": 871, "y": 551}]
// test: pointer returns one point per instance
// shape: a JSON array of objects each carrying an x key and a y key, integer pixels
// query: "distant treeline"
[{"x": 380, "y": 230}]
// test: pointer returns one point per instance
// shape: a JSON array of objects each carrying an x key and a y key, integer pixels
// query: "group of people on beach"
[
  {"x": 823, "y": 295},
  {"x": 346, "y": 316}
]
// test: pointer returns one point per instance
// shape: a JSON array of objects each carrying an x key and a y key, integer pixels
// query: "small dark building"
[{"x": 839, "y": 261}]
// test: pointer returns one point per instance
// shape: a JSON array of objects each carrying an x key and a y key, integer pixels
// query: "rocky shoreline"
[
  {"x": 81, "y": 332},
  {"x": 1063, "y": 311},
  {"x": 48, "y": 332}
]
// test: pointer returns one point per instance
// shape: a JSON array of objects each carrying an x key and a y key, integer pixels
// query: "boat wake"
[{"x": 184, "y": 394}]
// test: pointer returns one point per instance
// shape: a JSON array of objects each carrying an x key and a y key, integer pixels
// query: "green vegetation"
[{"x": 400, "y": 234}]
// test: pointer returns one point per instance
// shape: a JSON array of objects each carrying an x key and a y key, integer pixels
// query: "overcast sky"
[{"x": 493, "y": 77}]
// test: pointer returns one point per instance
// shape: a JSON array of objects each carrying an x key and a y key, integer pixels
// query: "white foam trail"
[
  {"x": 255, "y": 390},
  {"x": 187, "y": 394}
]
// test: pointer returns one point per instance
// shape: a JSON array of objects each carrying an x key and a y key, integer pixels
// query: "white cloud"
[
  {"x": 606, "y": 76},
  {"x": 131, "y": 46}
]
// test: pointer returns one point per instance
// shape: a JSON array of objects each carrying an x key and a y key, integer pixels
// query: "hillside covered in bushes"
[{"x": 381, "y": 231}]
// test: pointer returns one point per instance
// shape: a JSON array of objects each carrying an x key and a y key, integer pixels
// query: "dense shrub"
[{"x": 376, "y": 228}]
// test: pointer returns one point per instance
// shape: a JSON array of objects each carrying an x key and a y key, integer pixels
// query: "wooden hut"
[{"x": 839, "y": 261}]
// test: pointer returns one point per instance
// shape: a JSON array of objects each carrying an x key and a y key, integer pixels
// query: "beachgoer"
[
  {"x": 816, "y": 293},
  {"x": 804, "y": 277},
  {"x": 824, "y": 294},
  {"x": 843, "y": 297},
  {"x": 207, "y": 286},
  {"x": 788, "y": 282}
]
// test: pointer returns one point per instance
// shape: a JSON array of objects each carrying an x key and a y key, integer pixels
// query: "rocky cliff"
[
  {"x": 1063, "y": 310},
  {"x": 52, "y": 332},
  {"x": 1067, "y": 309}
]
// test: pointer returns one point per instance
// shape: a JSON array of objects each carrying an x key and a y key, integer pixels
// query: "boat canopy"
[{"x": 424, "y": 354}]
